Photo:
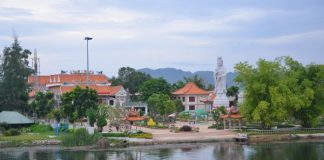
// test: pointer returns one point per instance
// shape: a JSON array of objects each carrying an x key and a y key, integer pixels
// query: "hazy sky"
[{"x": 184, "y": 34}]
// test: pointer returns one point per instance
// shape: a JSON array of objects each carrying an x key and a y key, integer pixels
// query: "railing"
[{"x": 287, "y": 130}]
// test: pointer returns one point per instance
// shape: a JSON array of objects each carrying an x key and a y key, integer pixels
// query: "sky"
[{"x": 183, "y": 34}]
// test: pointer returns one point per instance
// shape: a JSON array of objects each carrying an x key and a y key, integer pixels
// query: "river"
[{"x": 198, "y": 151}]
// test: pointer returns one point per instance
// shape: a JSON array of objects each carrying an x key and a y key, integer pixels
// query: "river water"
[{"x": 199, "y": 151}]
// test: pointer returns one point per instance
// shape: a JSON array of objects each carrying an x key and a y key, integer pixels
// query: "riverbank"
[{"x": 164, "y": 136}]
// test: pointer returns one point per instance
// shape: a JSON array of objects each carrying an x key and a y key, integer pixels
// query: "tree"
[
  {"x": 274, "y": 90},
  {"x": 216, "y": 114},
  {"x": 43, "y": 103},
  {"x": 56, "y": 114},
  {"x": 101, "y": 122},
  {"x": 13, "y": 78},
  {"x": 154, "y": 86},
  {"x": 161, "y": 104},
  {"x": 197, "y": 80},
  {"x": 76, "y": 102},
  {"x": 179, "y": 105},
  {"x": 130, "y": 79},
  {"x": 309, "y": 115},
  {"x": 91, "y": 115},
  {"x": 233, "y": 91}
]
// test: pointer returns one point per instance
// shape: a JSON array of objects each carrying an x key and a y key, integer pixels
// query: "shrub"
[
  {"x": 186, "y": 128},
  {"x": 216, "y": 126},
  {"x": 79, "y": 137},
  {"x": 39, "y": 128},
  {"x": 11, "y": 132},
  {"x": 2, "y": 129},
  {"x": 101, "y": 121},
  {"x": 91, "y": 113},
  {"x": 114, "y": 134},
  {"x": 151, "y": 123},
  {"x": 141, "y": 135}
]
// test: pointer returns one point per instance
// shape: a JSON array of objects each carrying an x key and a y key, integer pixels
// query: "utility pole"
[{"x": 87, "y": 39}]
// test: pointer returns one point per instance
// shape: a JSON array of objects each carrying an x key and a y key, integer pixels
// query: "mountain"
[{"x": 173, "y": 75}]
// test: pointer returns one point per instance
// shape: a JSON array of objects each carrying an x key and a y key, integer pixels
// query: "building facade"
[
  {"x": 62, "y": 83},
  {"x": 192, "y": 97}
]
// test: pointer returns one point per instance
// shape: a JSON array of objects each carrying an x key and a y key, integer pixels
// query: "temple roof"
[{"x": 190, "y": 88}]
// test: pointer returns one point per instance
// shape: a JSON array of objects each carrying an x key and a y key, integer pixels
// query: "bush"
[
  {"x": 39, "y": 128},
  {"x": 217, "y": 126},
  {"x": 141, "y": 135},
  {"x": 91, "y": 113},
  {"x": 11, "y": 132},
  {"x": 101, "y": 122},
  {"x": 114, "y": 134},
  {"x": 185, "y": 128},
  {"x": 79, "y": 137},
  {"x": 2, "y": 129}
]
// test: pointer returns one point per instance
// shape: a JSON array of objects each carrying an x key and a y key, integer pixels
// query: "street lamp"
[{"x": 87, "y": 39}]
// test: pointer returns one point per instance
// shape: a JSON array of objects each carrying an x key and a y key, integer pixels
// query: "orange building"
[
  {"x": 62, "y": 83},
  {"x": 192, "y": 97}
]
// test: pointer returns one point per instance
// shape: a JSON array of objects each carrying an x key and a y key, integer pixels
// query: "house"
[
  {"x": 62, "y": 83},
  {"x": 192, "y": 97}
]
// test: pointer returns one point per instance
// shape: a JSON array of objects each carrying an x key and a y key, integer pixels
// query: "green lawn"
[{"x": 28, "y": 137}]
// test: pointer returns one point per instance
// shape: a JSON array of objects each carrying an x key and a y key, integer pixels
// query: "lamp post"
[{"x": 87, "y": 39}]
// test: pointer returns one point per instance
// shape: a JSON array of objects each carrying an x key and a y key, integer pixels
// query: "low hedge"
[
  {"x": 141, "y": 135},
  {"x": 11, "y": 132},
  {"x": 138, "y": 134},
  {"x": 114, "y": 134}
]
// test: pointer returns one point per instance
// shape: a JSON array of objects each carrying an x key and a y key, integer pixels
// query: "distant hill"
[{"x": 173, "y": 75}]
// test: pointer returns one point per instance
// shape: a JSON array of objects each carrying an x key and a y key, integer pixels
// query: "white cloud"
[
  {"x": 59, "y": 12},
  {"x": 304, "y": 37}
]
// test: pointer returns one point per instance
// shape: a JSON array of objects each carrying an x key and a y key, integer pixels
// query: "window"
[
  {"x": 191, "y": 99},
  {"x": 192, "y": 107},
  {"x": 183, "y": 99},
  {"x": 111, "y": 102}
]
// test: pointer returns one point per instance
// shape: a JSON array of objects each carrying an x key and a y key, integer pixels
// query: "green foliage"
[
  {"x": 56, "y": 114},
  {"x": 154, "y": 86},
  {"x": 161, "y": 104},
  {"x": 179, "y": 105},
  {"x": 310, "y": 115},
  {"x": 91, "y": 115},
  {"x": 216, "y": 114},
  {"x": 130, "y": 79},
  {"x": 40, "y": 128},
  {"x": 43, "y": 103},
  {"x": 11, "y": 132},
  {"x": 79, "y": 137},
  {"x": 233, "y": 91},
  {"x": 277, "y": 90},
  {"x": 76, "y": 102},
  {"x": 219, "y": 126},
  {"x": 115, "y": 134},
  {"x": 14, "y": 72},
  {"x": 141, "y": 135},
  {"x": 101, "y": 122},
  {"x": 195, "y": 79}
]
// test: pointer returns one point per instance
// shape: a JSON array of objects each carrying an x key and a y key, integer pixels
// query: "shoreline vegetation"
[
  {"x": 260, "y": 139},
  {"x": 122, "y": 142}
]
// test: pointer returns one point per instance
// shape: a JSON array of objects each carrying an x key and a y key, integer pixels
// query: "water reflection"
[{"x": 218, "y": 151}]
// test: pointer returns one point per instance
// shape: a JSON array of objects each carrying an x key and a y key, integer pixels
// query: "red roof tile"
[
  {"x": 190, "y": 88},
  {"x": 101, "y": 90},
  {"x": 43, "y": 80}
]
